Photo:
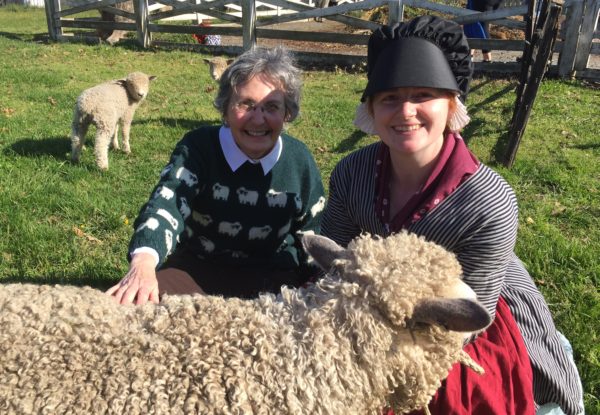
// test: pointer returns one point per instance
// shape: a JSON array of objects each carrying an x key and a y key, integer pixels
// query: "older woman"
[
  {"x": 226, "y": 215},
  {"x": 421, "y": 177}
]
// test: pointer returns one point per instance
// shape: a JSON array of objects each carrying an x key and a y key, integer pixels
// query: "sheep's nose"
[{"x": 140, "y": 95}]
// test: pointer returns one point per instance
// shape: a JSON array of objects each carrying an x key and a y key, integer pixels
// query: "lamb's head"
[
  {"x": 137, "y": 85},
  {"x": 408, "y": 279},
  {"x": 217, "y": 66}
]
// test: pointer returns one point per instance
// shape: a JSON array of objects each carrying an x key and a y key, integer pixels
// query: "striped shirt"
[{"x": 478, "y": 222}]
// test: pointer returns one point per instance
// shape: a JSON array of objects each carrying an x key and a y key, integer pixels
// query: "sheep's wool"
[{"x": 341, "y": 346}]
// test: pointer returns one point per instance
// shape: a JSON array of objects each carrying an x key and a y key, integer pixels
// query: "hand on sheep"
[{"x": 139, "y": 284}]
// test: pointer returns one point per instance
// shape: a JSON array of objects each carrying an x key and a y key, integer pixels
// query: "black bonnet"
[{"x": 426, "y": 51}]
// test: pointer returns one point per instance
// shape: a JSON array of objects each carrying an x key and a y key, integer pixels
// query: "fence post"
[
  {"x": 249, "y": 24},
  {"x": 542, "y": 44},
  {"x": 588, "y": 26},
  {"x": 52, "y": 19},
  {"x": 566, "y": 60},
  {"x": 140, "y": 8},
  {"x": 395, "y": 11}
]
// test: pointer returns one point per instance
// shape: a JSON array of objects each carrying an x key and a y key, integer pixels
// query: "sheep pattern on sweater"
[
  {"x": 346, "y": 344},
  {"x": 106, "y": 105}
]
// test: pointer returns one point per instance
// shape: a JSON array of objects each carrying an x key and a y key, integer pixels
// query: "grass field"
[{"x": 65, "y": 223}]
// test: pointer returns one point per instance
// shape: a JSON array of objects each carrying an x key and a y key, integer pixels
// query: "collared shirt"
[{"x": 236, "y": 157}]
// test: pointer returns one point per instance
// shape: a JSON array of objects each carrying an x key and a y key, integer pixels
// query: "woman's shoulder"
[
  {"x": 485, "y": 178},
  {"x": 487, "y": 189}
]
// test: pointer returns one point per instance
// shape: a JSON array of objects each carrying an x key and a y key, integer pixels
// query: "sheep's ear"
[
  {"x": 323, "y": 250},
  {"x": 152, "y": 77},
  {"x": 456, "y": 314},
  {"x": 230, "y": 61}
]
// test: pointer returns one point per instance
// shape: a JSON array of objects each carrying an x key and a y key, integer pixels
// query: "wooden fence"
[{"x": 578, "y": 39}]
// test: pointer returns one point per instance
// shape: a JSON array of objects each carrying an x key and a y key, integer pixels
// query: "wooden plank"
[
  {"x": 142, "y": 21},
  {"x": 194, "y": 29},
  {"x": 566, "y": 60},
  {"x": 212, "y": 13},
  {"x": 90, "y": 6},
  {"x": 461, "y": 11},
  {"x": 90, "y": 24},
  {"x": 589, "y": 74},
  {"x": 331, "y": 13},
  {"x": 345, "y": 38},
  {"x": 586, "y": 36},
  {"x": 118, "y": 12},
  {"x": 540, "y": 52},
  {"x": 190, "y": 8},
  {"x": 496, "y": 44},
  {"x": 491, "y": 16},
  {"x": 248, "y": 24},
  {"x": 222, "y": 50}
]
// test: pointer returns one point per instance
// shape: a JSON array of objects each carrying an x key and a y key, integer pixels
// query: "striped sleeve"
[{"x": 349, "y": 209}]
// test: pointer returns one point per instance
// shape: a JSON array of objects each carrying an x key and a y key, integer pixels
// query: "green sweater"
[{"x": 243, "y": 217}]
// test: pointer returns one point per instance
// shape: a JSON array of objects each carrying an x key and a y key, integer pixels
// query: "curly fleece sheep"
[
  {"x": 359, "y": 339},
  {"x": 104, "y": 106}
]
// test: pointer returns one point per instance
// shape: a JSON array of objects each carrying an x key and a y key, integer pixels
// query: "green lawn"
[{"x": 65, "y": 223}]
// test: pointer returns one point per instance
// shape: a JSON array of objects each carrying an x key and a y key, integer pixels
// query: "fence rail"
[{"x": 578, "y": 39}]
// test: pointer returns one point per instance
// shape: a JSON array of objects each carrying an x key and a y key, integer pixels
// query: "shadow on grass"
[
  {"x": 350, "y": 143},
  {"x": 185, "y": 123},
  {"x": 60, "y": 147},
  {"x": 585, "y": 146},
  {"x": 57, "y": 147}
]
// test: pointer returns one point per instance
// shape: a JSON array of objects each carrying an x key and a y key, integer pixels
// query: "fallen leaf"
[
  {"x": 8, "y": 111},
  {"x": 82, "y": 234},
  {"x": 52, "y": 101}
]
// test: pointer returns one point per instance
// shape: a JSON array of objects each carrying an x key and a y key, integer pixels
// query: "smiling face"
[
  {"x": 256, "y": 114},
  {"x": 411, "y": 121}
]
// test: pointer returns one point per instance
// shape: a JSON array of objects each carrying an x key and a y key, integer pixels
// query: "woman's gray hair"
[{"x": 277, "y": 64}]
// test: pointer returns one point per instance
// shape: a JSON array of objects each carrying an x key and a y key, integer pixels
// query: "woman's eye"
[
  {"x": 389, "y": 99},
  {"x": 272, "y": 107},
  {"x": 423, "y": 96}
]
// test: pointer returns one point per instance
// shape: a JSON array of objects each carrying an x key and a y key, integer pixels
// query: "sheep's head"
[
  {"x": 407, "y": 278},
  {"x": 217, "y": 66},
  {"x": 137, "y": 85}
]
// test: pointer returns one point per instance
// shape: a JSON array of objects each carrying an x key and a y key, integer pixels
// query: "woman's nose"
[
  {"x": 257, "y": 114},
  {"x": 408, "y": 109}
]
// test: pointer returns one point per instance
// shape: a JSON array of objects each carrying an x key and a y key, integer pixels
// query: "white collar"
[{"x": 236, "y": 157}]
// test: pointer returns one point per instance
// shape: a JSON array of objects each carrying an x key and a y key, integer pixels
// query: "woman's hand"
[{"x": 139, "y": 284}]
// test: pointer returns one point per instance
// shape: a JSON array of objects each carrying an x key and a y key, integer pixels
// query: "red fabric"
[
  {"x": 506, "y": 387},
  {"x": 454, "y": 165},
  {"x": 201, "y": 38}
]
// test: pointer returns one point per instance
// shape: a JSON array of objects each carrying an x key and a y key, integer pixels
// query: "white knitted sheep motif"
[
  {"x": 104, "y": 106},
  {"x": 374, "y": 332}
]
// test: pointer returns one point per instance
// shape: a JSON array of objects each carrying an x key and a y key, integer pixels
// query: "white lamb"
[
  {"x": 376, "y": 331},
  {"x": 104, "y": 106}
]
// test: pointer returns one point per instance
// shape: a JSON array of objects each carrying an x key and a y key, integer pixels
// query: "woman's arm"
[{"x": 159, "y": 225}]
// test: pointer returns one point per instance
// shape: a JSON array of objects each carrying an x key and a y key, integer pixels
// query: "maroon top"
[{"x": 454, "y": 165}]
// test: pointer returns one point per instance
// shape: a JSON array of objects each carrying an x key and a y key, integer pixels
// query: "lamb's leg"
[
  {"x": 103, "y": 137},
  {"x": 115, "y": 138},
  {"x": 126, "y": 126},
  {"x": 79, "y": 129}
]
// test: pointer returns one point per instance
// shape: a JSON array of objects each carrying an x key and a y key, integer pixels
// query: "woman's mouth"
[{"x": 407, "y": 128}]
